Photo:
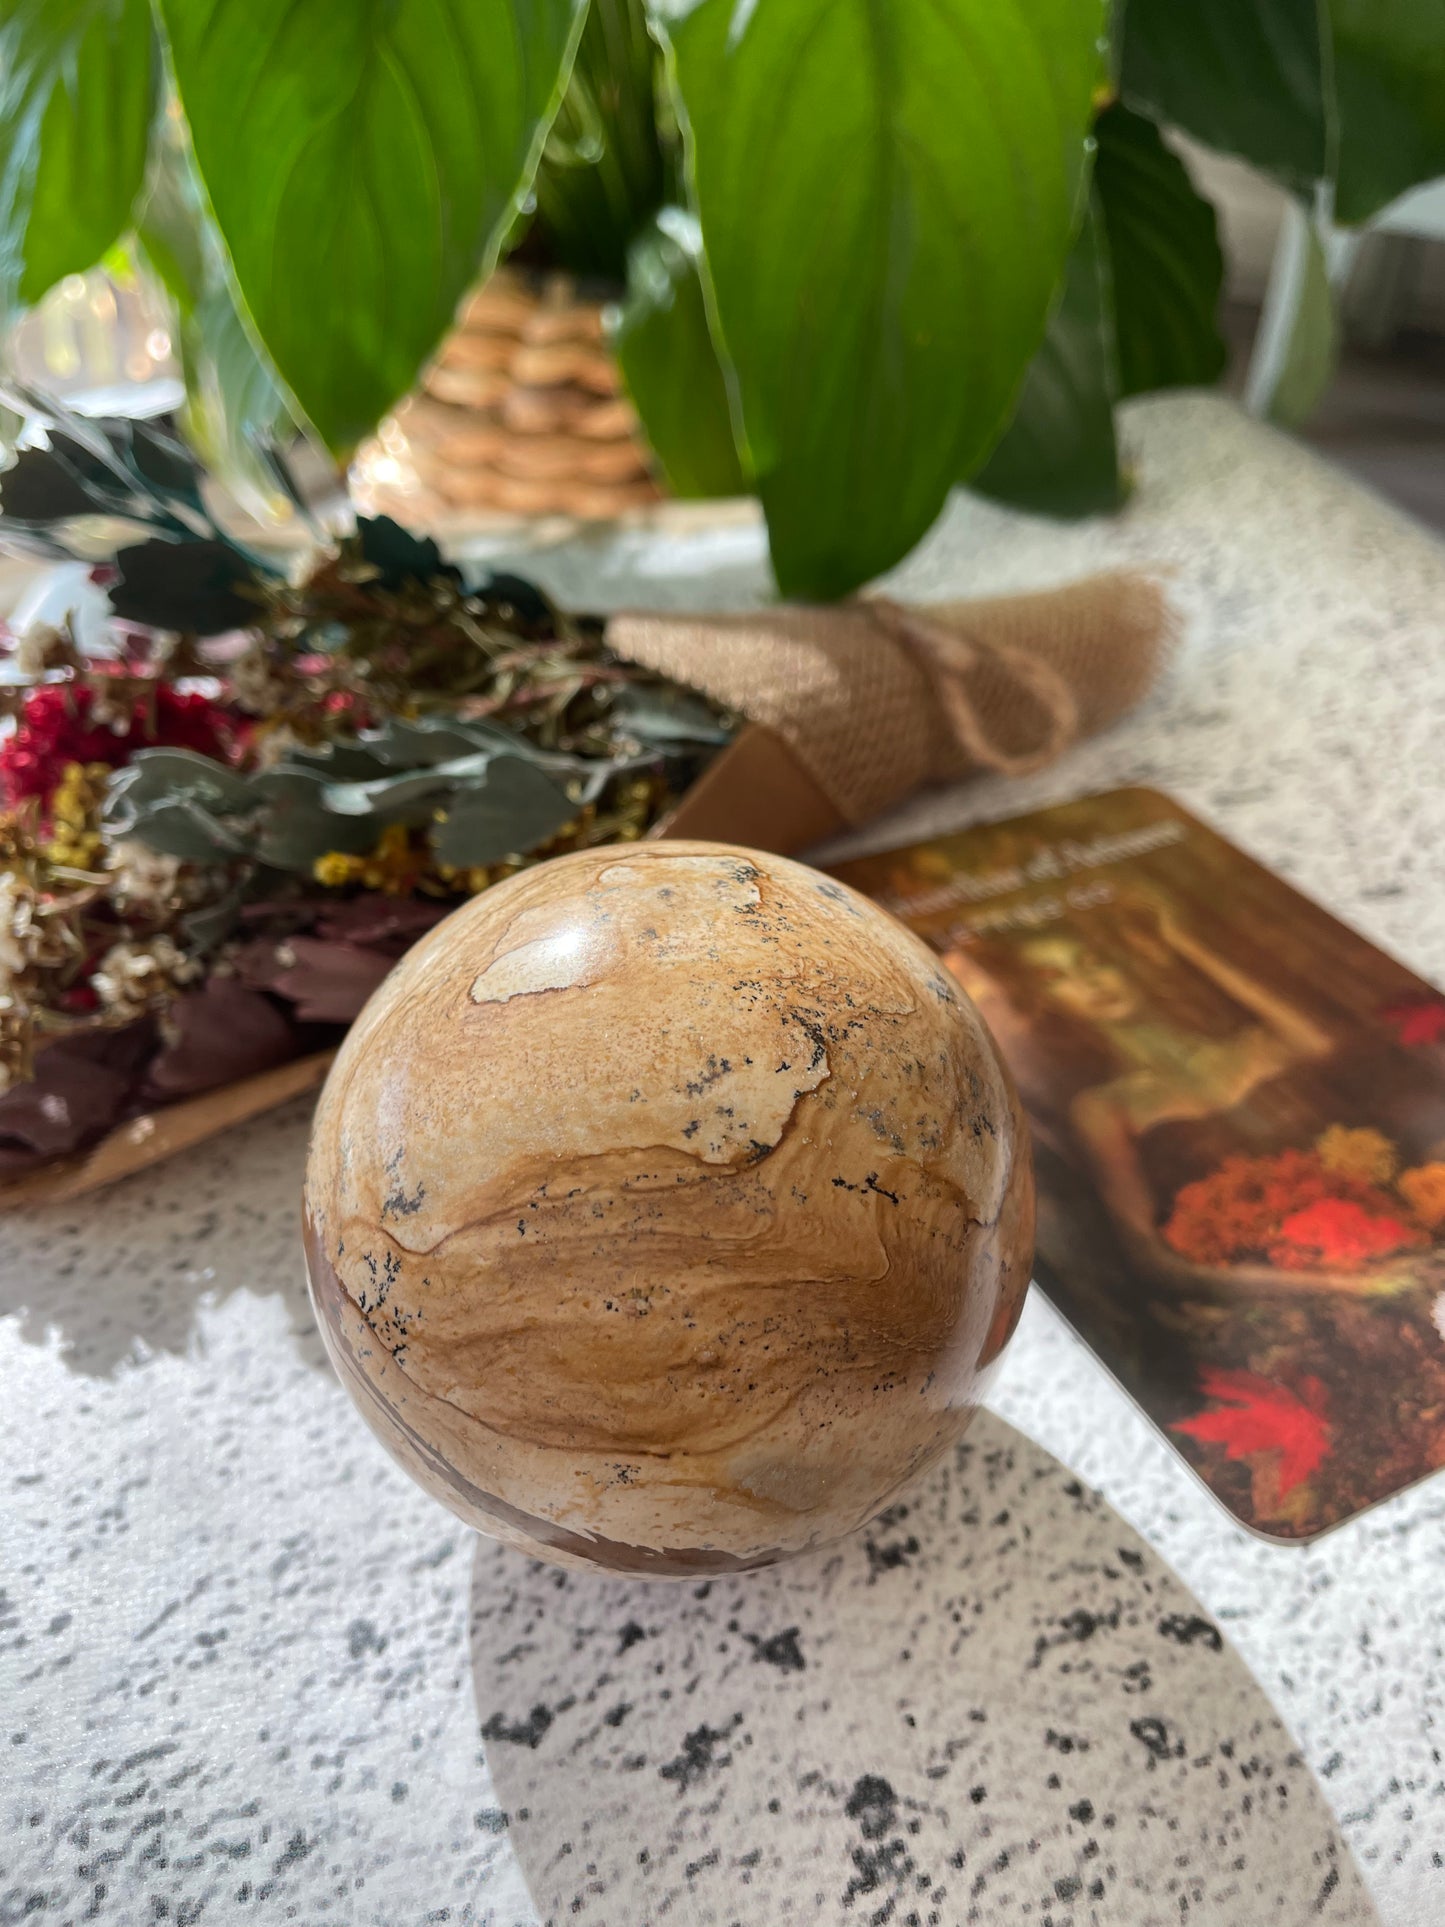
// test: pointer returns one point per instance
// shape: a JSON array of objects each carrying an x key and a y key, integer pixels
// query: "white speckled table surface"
[{"x": 242, "y": 1659}]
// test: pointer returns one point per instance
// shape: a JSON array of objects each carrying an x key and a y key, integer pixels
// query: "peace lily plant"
[{"x": 871, "y": 248}]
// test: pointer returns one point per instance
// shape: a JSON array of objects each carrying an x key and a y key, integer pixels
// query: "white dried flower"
[
  {"x": 254, "y": 683},
  {"x": 132, "y": 978},
  {"x": 1437, "y": 1313},
  {"x": 15, "y": 902},
  {"x": 142, "y": 875}
]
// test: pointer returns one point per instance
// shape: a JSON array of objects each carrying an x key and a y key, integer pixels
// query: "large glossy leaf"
[
  {"x": 887, "y": 196},
  {"x": 1058, "y": 455},
  {"x": 1165, "y": 258},
  {"x": 1245, "y": 76},
  {"x": 235, "y": 407},
  {"x": 1389, "y": 65},
  {"x": 362, "y": 160},
  {"x": 666, "y": 353},
  {"x": 606, "y": 167},
  {"x": 76, "y": 89},
  {"x": 1346, "y": 91}
]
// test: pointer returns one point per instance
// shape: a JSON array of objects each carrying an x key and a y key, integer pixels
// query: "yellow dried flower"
[
  {"x": 391, "y": 867},
  {"x": 1366, "y": 1154},
  {"x": 75, "y": 842},
  {"x": 335, "y": 869},
  {"x": 1423, "y": 1189}
]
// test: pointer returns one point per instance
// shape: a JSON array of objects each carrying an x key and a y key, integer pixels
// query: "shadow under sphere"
[{"x": 997, "y": 1698}]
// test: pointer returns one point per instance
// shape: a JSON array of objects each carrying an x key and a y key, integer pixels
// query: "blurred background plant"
[{"x": 859, "y": 253}]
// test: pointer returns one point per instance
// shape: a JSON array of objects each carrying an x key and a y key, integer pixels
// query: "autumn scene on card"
[{"x": 1239, "y": 1120}]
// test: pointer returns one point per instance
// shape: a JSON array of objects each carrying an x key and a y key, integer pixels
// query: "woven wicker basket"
[{"x": 522, "y": 414}]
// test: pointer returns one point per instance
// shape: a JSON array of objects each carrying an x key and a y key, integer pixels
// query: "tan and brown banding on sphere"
[{"x": 664, "y": 1208}]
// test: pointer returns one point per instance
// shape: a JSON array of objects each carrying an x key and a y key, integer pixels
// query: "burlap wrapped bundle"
[{"x": 872, "y": 699}]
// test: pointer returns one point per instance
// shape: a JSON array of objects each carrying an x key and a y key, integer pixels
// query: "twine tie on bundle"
[{"x": 876, "y": 698}]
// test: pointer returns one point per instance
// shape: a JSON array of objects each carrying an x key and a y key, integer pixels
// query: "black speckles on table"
[{"x": 994, "y": 1707}]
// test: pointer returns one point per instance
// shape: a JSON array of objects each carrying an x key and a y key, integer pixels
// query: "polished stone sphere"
[{"x": 665, "y": 1208}]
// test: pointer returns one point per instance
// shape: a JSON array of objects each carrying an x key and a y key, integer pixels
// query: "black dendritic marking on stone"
[{"x": 399, "y": 1202}]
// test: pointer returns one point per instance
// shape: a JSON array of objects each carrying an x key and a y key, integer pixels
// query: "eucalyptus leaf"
[
  {"x": 76, "y": 91},
  {"x": 1058, "y": 455},
  {"x": 665, "y": 350},
  {"x": 69, "y": 479},
  {"x": 39, "y": 487},
  {"x": 1166, "y": 263},
  {"x": 397, "y": 555},
  {"x": 295, "y": 827},
  {"x": 887, "y": 195},
  {"x": 404, "y": 744},
  {"x": 516, "y": 809},
  {"x": 208, "y": 927},
  {"x": 195, "y": 588},
  {"x": 185, "y": 830},
  {"x": 156, "y": 776},
  {"x": 664, "y": 715},
  {"x": 363, "y": 161},
  {"x": 386, "y": 797}
]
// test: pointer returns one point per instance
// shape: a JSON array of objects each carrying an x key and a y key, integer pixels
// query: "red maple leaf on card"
[
  {"x": 1416, "y": 1020},
  {"x": 1255, "y": 1414}
]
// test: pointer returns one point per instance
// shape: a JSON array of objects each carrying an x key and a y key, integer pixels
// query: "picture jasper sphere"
[{"x": 665, "y": 1207}]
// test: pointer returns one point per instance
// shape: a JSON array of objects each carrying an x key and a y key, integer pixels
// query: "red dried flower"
[{"x": 55, "y": 729}]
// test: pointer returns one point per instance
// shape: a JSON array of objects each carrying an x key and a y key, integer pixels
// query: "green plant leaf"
[
  {"x": 887, "y": 196},
  {"x": 1346, "y": 91},
  {"x": 1310, "y": 354},
  {"x": 665, "y": 351},
  {"x": 76, "y": 91},
  {"x": 1389, "y": 66},
  {"x": 1165, "y": 258},
  {"x": 235, "y": 408},
  {"x": 1058, "y": 455},
  {"x": 362, "y": 161},
  {"x": 1246, "y": 76},
  {"x": 606, "y": 166}
]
